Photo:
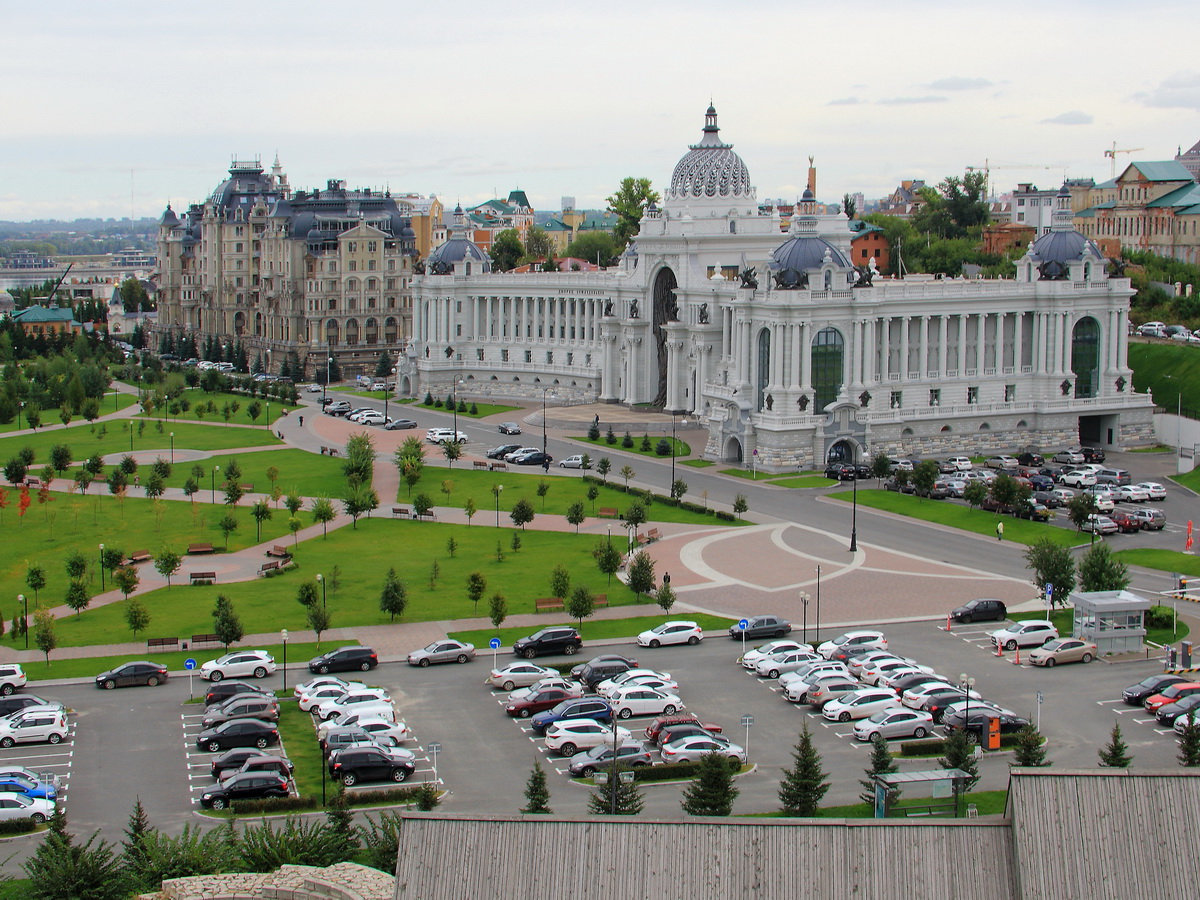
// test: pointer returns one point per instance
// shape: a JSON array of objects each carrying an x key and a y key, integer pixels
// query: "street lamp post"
[
  {"x": 20, "y": 409},
  {"x": 499, "y": 488},
  {"x": 102, "y": 568},
  {"x": 966, "y": 684},
  {"x": 268, "y": 416},
  {"x": 817, "y": 634},
  {"x": 24, "y": 601},
  {"x": 545, "y": 391},
  {"x": 172, "y": 448},
  {"x": 454, "y": 400},
  {"x": 321, "y": 581},
  {"x": 672, "y": 490},
  {"x": 284, "y": 635},
  {"x": 854, "y": 509},
  {"x": 804, "y": 598},
  {"x": 213, "y": 483}
]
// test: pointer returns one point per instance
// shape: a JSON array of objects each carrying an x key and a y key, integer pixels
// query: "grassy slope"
[
  {"x": 1167, "y": 371},
  {"x": 113, "y": 437},
  {"x": 197, "y": 398}
]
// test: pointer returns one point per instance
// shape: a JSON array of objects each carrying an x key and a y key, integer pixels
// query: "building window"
[
  {"x": 935, "y": 397},
  {"x": 504, "y": 356},
  {"x": 570, "y": 358},
  {"x": 353, "y": 265},
  {"x": 238, "y": 247},
  {"x": 528, "y": 356},
  {"x": 370, "y": 265},
  {"x": 391, "y": 265},
  {"x": 458, "y": 330},
  {"x": 479, "y": 354},
  {"x": 972, "y": 395},
  {"x": 1085, "y": 356},
  {"x": 588, "y": 360},
  {"x": 372, "y": 246},
  {"x": 1010, "y": 393},
  {"x": 333, "y": 303},
  {"x": 897, "y": 400},
  {"x": 549, "y": 357},
  {"x": 352, "y": 246},
  {"x": 826, "y": 367}
]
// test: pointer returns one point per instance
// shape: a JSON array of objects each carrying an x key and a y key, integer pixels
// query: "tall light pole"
[
  {"x": 804, "y": 598},
  {"x": 21, "y": 408},
  {"x": 966, "y": 684},
  {"x": 102, "y": 568},
  {"x": 321, "y": 581},
  {"x": 172, "y": 448},
  {"x": 284, "y": 635},
  {"x": 817, "y": 634},
  {"x": 545, "y": 391},
  {"x": 854, "y": 510},
  {"x": 213, "y": 483},
  {"x": 454, "y": 399},
  {"x": 497, "y": 491},
  {"x": 24, "y": 601},
  {"x": 387, "y": 392},
  {"x": 672, "y": 490}
]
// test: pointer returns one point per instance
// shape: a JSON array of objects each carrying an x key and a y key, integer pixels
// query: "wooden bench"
[
  {"x": 400, "y": 512},
  {"x": 274, "y": 565},
  {"x": 162, "y": 643},
  {"x": 200, "y": 548},
  {"x": 607, "y": 512},
  {"x": 653, "y": 535},
  {"x": 601, "y": 600},
  {"x": 642, "y": 539},
  {"x": 547, "y": 604},
  {"x": 137, "y": 556},
  {"x": 480, "y": 463},
  {"x": 248, "y": 488},
  {"x": 498, "y": 467},
  {"x": 430, "y": 516},
  {"x": 197, "y": 577},
  {"x": 32, "y": 482},
  {"x": 205, "y": 639},
  {"x": 280, "y": 551}
]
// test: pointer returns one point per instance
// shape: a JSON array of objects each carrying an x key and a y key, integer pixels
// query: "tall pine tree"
[
  {"x": 537, "y": 794},
  {"x": 882, "y": 763},
  {"x": 803, "y": 785},
  {"x": 711, "y": 792},
  {"x": 1115, "y": 754}
]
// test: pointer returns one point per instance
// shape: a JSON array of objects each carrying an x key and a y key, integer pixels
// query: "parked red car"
[
  {"x": 539, "y": 702},
  {"x": 1125, "y": 522},
  {"x": 1171, "y": 694}
]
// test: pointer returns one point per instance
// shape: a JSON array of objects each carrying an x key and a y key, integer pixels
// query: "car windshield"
[
  {"x": 431, "y": 647},
  {"x": 1014, "y": 627},
  {"x": 1052, "y": 645}
]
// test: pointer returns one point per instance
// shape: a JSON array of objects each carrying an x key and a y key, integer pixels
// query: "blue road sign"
[
  {"x": 744, "y": 624},
  {"x": 494, "y": 643},
  {"x": 189, "y": 664}
]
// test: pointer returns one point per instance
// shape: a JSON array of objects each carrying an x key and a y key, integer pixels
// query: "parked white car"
[
  {"x": 554, "y": 681},
  {"x": 781, "y": 663},
  {"x": 1155, "y": 490},
  {"x": 309, "y": 701},
  {"x": 18, "y": 806},
  {"x": 677, "y": 632},
  {"x": 752, "y": 657},
  {"x": 519, "y": 674},
  {"x": 860, "y": 704},
  {"x": 914, "y": 698},
  {"x": 1030, "y": 633},
  {"x": 894, "y": 723},
  {"x": 813, "y": 670},
  {"x": 372, "y": 417},
  {"x": 800, "y": 690},
  {"x": 239, "y": 664},
  {"x": 854, "y": 640},
  {"x": 570, "y": 736},
  {"x": 640, "y": 701},
  {"x": 33, "y": 724},
  {"x": 1131, "y": 493},
  {"x": 378, "y": 727},
  {"x": 353, "y": 700},
  {"x": 631, "y": 677},
  {"x": 691, "y": 749}
]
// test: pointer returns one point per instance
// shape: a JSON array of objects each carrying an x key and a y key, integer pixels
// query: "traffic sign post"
[
  {"x": 434, "y": 747},
  {"x": 1049, "y": 600},
  {"x": 1040, "y": 699},
  {"x": 747, "y": 721},
  {"x": 189, "y": 664},
  {"x": 742, "y": 626},
  {"x": 494, "y": 643}
]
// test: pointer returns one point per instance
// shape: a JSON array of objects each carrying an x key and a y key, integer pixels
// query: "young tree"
[
  {"x": 35, "y": 579},
  {"x": 126, "y": 579},
  {"x": 617, "y": 797},
  {"x": 711, "y": 791},
  {"x": 604, "y": 467},
  {"x": 339, "y": 839},
  {"x": 307, "y": 594},
  {"x": 1080, "y": 508},
  {"x": 1004, "y": 491},
  {"x": 452, "y": 450},
  {"x": 155, "y": 486},
  {"x": 323, "y": 513},
  {"x": 882, "y": 763},
  {"x": 1189, "y": 742},
  {"x": 360, "y": 500},
  {"x": 1051, "y": 564},
  {"x": 43, "y": 632},
  {"x": 678, "y": 489},
  {"x": 451, "y": 546},
  {"x": 111, "y": 558},
  {"x": 476, "y": 585},
  {"x": 167, "y": 563},
  {"x": 960, "y": 754},
  {"x": 1115, "y": 754},
  {"x": 543, "y": 488},
  {"x": 522, "y": 513},
  {"x": 293, "y": 503},
  {"x": 435, "y": 571},
  {"x": 592, "y": 493},
  {"x": 77, "y": 597},
  {"x": 1099, "y": 570},
  {"x": 227, "y": 624},
  {"x": 635, "y": 515},
  {"x": 740, "y": 505},
  {"x": 233, "y": 493},
  {"x": 318, "y": 618},
  {"x": 447, "y": 489},
  {"x": 470, "y": 509},
  {"x": 515, "y": 543},
  {"x": 627, "y": 473},
  {"x": 581, "y": 604},
  {"x": 422, "y": 505},
  {"x": 228, "y": 525},
  {"x": 61, "y": 870},
  {"x": 665, "y": 598},
  {"x": 60, "y": 458},
  {"x": 1030, "y": 750},
  {"x": 804, "y": 784},
  {"x": 537, "y": 794},
  {"x": 261, "y": 511},
  {"x": 394, "y": 597},
  {"x": 974, "y": 493},
  {"x": 137, "y": 617},
  {"x": 76, "y": 565},
  {"x": 497, "y": 610},
  {"x": 560, "y": 581},
  {"x": 881, "y": 466},
  {"x": 576, "y": 513},
  {"x": 641, "y": 573}
]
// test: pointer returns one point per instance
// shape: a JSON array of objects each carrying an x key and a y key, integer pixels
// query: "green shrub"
[
  {"x": 665, "y": 772},
  {"x": 17, "y": 826},
  {"x": 724, "y": 516},
  {"x": 275, "y": 804},
  {"x": 382, "y": 797},
  {"x": 645, "y": 445},
  {"x": 663, "y": 447},
  {"x": 1159, "y": 617},
  {"x": 930, "y": 747}
]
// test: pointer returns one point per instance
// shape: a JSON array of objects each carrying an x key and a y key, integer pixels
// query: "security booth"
[
  {"x": 1112, "y": 620},
  {"x": 946, "y": 788}
]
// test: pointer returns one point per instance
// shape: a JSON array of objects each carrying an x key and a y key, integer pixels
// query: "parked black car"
[
  {"x": 976, "y": 726},
  {"x": 1169, "y": 712},
  {"x": 356, "y": 764},
  {"x": 601, "y": 669},
  {"x": 132, "y": 673},
  {"x": 1092, "y": 454},
  {"x": 979, "y": 610},
  {"x": 1136, "y": 694},
  {"x": 344, "y": 659},
  {"x": 223, "y": 690},
  {"x": 840, "y": 472},
  {"x": 1029, "y": 458},
  {"x": 502, "y": 451},
  {"x": 246, "y": 786},
  {"x": 555, "y": 639},
  {"x": 232, "y": 760},
  {"x": 536, "y": 458},
  {"x": 12, "y": 704},
  {"x": 761, "y": 627},
  {"x": 238, "y": 733},
  {"x": 579, "y": 708}
]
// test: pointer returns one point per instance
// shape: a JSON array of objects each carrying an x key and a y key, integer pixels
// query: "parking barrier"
[
  {"x": 1017, "y": 657},
  {"x": 999, "y": 649},
  {"x": 947, "y": 621}
]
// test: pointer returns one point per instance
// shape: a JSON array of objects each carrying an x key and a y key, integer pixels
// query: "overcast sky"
[{"x": 122, "y": 106}]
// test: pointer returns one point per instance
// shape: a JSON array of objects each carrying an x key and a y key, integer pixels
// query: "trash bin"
[{"x": 992, "y": 737}]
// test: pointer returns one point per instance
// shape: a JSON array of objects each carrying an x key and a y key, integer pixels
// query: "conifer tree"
[
  {"x": 804, "y": 784},
  {"x": 1115, "y": 754},
  {"x": 711, "y": 792},
  {"x": 537, "y": 793}
]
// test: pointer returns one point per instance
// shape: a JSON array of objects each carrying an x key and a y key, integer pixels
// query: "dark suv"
[
  {"x": 344, "y": 659},
  {"x": 580, "y": 708},
  {"x": 555, "y": 639},
  {"x": 1092, "y": 454},
  {"x": 356, "y": 764},
  {"x": 602, "y": 668}
]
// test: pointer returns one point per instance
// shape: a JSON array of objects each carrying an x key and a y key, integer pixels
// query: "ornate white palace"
[{"x": 781, "y": 347}]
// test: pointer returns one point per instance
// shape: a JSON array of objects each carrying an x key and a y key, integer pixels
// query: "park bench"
[
  {"x": 201, "y": 577},
  {"x": 547, "y": 604},
  {"x": 400, "y": 512},
  {"x": 329, "y": 451},
  {"x": 32, "y": 482},
  {"x": 200, "y": 548},
  {"x": 137, "y": 556},
  {"x": 280, "y": 551},
  {"x": 480, "y": 463},
  {"x": 498, "y": 467},
  {"x": 642, "y": 539},
  {"x": 162, "y": 643},
  {"x": 653, "y": 535},
  {"x": 274, "y": 565},
  {"x": 430, "y": 516},
  {"x": 607, "y": 512},
  {"x": 205, "y": 639},
  {"x": 600, "y": 600}
]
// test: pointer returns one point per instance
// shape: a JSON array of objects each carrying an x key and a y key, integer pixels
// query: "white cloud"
[
  {"x": 1071, "y": 117},
  {"x": 845, "y": 101},
  {"x": 1179, "y": 90},
  {"x": 958, "y": 83}
]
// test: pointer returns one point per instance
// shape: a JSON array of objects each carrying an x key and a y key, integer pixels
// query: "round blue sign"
[
  {"x": 494, "y": 643},
  {"x": 189, "y": 664},
  {"x": 744, "y": 624}
]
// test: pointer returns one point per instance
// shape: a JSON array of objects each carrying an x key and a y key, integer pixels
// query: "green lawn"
[
  {"x": 113, "y": 437},
  {"x": 1190, "y": 480},
  {"x": 1167, "y": 371},
  {"x": 47, "y": 534},
  {"x": 481, "y": 409},
  {"x": 602, "y": 447},
  {"x": 1020, "y": 531},
  {"x": 1063, "y": 620},
  {"x": 564, "y": 490},
  {"x": 197, "y": 400},
  {"x": 299, "y": 739},
  {"x": 308, "y": 474},
  {"x": 760, "y": 476},
  {"x": 592, "y": 630},
  {"x": 697, "y": 463},
  {"x": 1163, "y": 560},
  {"x": 364, "y": 555},
  {"x": 89, "y": 666},
  {"x": 803, "y": 481},
  {"x": 50, "y": 417}
]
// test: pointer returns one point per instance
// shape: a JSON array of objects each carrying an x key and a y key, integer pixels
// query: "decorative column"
[
  {"x": 904, "y": 365},
  {"x": 676, "y": 366},
  {"x": 980, "y": 342},
  {"x": 924, "y": 346},
  {"x": 942, "y": 335},
  {"x": 806, "y": 340},
  {"x": 962, "y": 345},
  {"x": 610, "y": 359}
]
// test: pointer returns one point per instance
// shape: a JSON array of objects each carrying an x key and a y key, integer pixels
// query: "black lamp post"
[
  {"x": 172, "y": 448},
  {"x": 102, "y": 568},
  {"x": 20, "y": 409},
  {"x": 25, "y": 619},
  {"x": 499, "y": 488},
  {"x": 454, "y": 399},
  {"x": 804, "y": 598},
  {"x": 213, "y": 482},
  {"x": 321, "y": 581},
  {"x": 545, "y": 391},
  {"x": 817, "y": 633},
  {"x": 284, "y": 635},
  {"x": 854, "y": 509}
]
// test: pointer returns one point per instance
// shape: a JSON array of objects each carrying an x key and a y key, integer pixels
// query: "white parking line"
[
  {"x": 1107, "y": 702},
  {"x": 1165, "y": 730},
  {"x": 1146, "y": 721}
]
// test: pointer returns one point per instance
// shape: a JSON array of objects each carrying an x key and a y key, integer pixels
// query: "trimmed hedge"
[
  {"x": 938, "y": 745},
  {"x": 374, "y": 798},
  {"x": 274, "y": 804},
  {"x": 665, "y": 772},
  {"x": 725, "y": 516},
  {"x": 17, "y": 826}
]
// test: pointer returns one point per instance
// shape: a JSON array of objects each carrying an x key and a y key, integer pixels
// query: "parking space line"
[
  {"x": 1145, "y": 721},
  {"x": 1107, "y": 702},
  {"x": 1165, "y": 730}
]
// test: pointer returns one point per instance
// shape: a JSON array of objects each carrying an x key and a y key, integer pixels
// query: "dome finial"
[{"x": 710, "y": 120}]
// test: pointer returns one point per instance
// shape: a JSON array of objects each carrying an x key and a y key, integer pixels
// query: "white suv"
[
  {"x": 12, "y": 676},
  {"x": 32, "y": 724},
  {"x": 1031, "y": 633},
  {"x": 961, "y": 463}
]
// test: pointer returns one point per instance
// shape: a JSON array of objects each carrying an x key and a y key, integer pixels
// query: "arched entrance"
[
  {"x": 733, "y": 450},
  {"x": 664, "y": 307},
  {"x": 843, "y": 451}
]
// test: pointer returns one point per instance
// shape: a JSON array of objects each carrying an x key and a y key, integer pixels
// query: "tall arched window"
[
  {"x": 764, "y": 367},
  {"x": 1085, "y": 357},
  {"x": 827, "y": 364}
]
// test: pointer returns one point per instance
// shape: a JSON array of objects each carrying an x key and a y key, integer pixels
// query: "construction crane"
[
  {"x": 987, "y": 167},
  {"x": 1112, "y": 154}
]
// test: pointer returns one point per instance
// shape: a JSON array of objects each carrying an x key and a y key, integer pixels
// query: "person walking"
[
  {"x": 302, "y": 421},
  {"x": 999, "y": 531}
]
